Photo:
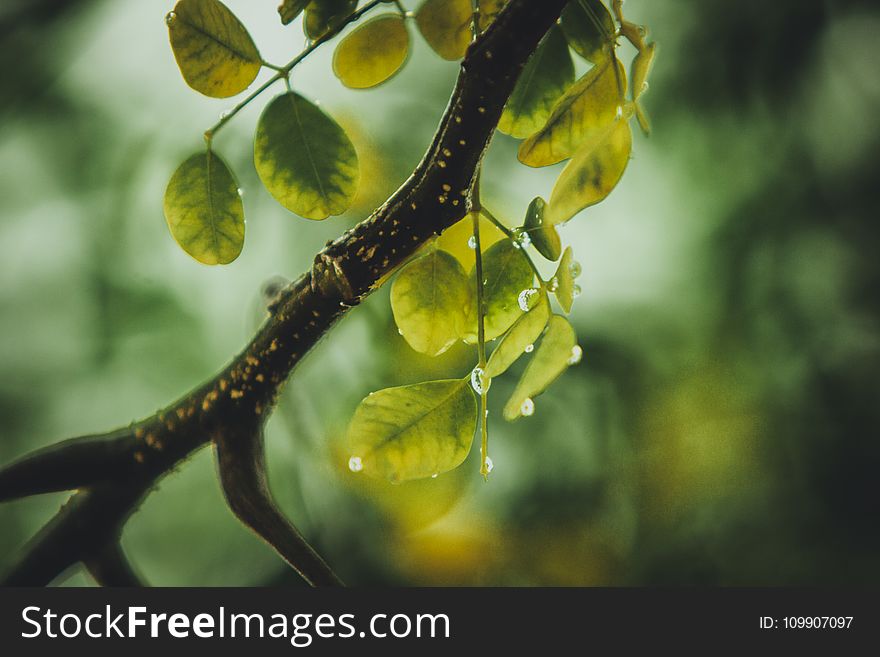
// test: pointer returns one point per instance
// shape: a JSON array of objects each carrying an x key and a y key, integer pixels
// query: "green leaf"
[
  {"x": 323, "y": 16},
  {"x": 429, "y": 299},
  {"x": 304, "y": 158},
  {"x": 566, "y": 273},
  {"x": 372, "y": 53},
  {"x": 204, "y": 210},
  {"x": 558, "y": 350},
  {"x": 290, "y": 9},
  {"x": 589, "y": 28},
  {"x": 546, "y": 76},
  {"x": 642, "y": 64},
  {"x": 489, "y": 10},
  {"x": 446, "y": 26},
  {"x": 588, "y": 106},
  {"x": 523, "y": 334},
  {"x": 214, "y": 51},
  {"x": 593, "y": 172},
  {"x": 506, "y": 273},
  {"x": 544, "y": 236},
  {"x": 415, "y": 431}
]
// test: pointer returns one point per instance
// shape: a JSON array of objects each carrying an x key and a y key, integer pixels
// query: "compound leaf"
[
  {"x": 523, "y": 334},
  {"x": 413, "y": 431},
  {"x": 304, "y": 158},
  {"x": 204, "y": 210},
  {"x": 372, "y": 53},
  {"x": 214, "y": 51},
  {"x": 546, "y": 76},
  {"x": 593, "y": 172},
  {"x": 588, "y": 106},
  {"x": 446, "y": 26},
  {"x": 558, "y": 349},
  {"x": 429, "y": 299}
]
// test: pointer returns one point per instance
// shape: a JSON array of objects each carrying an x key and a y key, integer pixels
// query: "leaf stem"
[
  {"x": 511, "y": 235},
  {"x": 475, "y": 208},
  {"x": 283, "y": 72}
]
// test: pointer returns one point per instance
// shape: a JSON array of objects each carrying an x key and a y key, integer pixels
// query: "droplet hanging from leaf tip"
[
  {"x": 576, "y": 354},
  {"x": 575, "y": 269},
  {"x": 527, "y": 408},
  {"x": 170, "y": 17},
  {"x": 355, "y": 464},
  {"x": 489, "y": 464}
]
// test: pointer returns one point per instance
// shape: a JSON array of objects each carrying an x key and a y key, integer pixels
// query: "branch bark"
[{"x": 230, "y": 409}]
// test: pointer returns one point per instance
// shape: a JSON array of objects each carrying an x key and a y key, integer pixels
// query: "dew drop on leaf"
[
  {"x": 170, "y": 17},
  {"x": 355, "y": 464},
  {"x": 575, "y": 269},
  {"x": 524, "y": 299},
  {"x": 576, "y": 354},
  {"x": 529, "y": 348},
  {"x": 527, "y": 408},
  {"x": 472, "y": 242},
  {"x": 553, "y": 284},
  {"x": 479, "y": 381},
  {"x": 576, "y": 291},
  {"x": 489, "y": 464}
]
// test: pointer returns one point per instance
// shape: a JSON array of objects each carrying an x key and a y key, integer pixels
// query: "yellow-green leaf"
[
  {"x": 558, "y": 349},
  {"x": 593, "y": 172},
  {"x": 204, "y": 210},
  {"x": 521, "y": 336},
  {"x": 214, "y": 51},
  {"x": 589, "y": 28},
  {"x": 415, "y": 431},
  {"x": 588, "y": 106},
  {"x": 546, "y": 76},
  {"x": 290, "y": 9},
  {"x": 429, "y": 299},
  {"x": 566, "y": 274},
  {"x": 304, "y": 158},
  {"x": 446, "y": 26},
  {"x": 642, "y": 64},
  {"x": 544, "y": 236},
  {"x": 372, "y": 53},
  {"x": 489, "y": 10},
  {"x": 506, "y": 273},
  {"x": 323, "y": 16}
]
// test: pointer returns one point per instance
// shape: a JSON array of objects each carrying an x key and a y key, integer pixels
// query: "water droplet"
[
  {"x": 472, "y": 242},
  {"x": 240, "y": 192},
  {"x": 644, "y": 86},
  {"x": 317, "y": 103},
  {"x": 399, "y": 332},
  {"x": 553, "y": 284},
  {"x": 575, "y": 269},
  {"x": 170, "y": 17},
  {"x": 619, "y": 112},
  {"x": 527, "y": 408},
  {"x": 489, "y": 465},
  {"x": 409, "y": 14},
  {"x": 524, "y": 299},
  {"x": 434, "y": 476},
  {"x": 529, "y": 348},
  {"x": 576, "y": 291},
  {"x": 576, "y": 354},
  {"x": 521, "y": 238},
  {"x": 516, "y": 244},
  {"x": 355, "y": 464},
  {"x": 479, "y": 381}
]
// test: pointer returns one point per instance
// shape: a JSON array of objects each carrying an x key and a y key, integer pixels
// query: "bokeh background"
[{"x": 722, "y": 428}]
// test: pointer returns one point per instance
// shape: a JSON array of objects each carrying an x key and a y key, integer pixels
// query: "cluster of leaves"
[
  {"x": 308, "y": 163},
  {"x": 303, "y": 157},
  {"x": 421, "y": 430}
]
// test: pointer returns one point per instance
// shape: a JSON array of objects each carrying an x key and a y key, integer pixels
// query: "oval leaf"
[
  {"x": 544, "y": 236},
  {"x": 304, "y": 158},
  {"x": 324, "y": 16},
  {"x": 489, "y": 10},
  {"x": 204, "y": 210},
  {"x": 642, "y": 64},
  {"x": 290, "y": 9},
  {"x": 506, "y": 273},
  {"x": 551, "y": 359},
  {"x": 429, "y": 298},
  {"x": 372, "y": 53},
  {"x": 214, "y": 51},
  {"x": 525, "y": 331},
  {"x": 593, "y": 172},
  {"x": 446, "y": 26},
  {"x": 587, "y": 107},
  {"x": 546, "y": 76},
  {"x": 589, "y": 28},
  {"x": 565, "y": 286},
  {"x": 414, "y": 431},
  {"x": 456, "y": 239}
]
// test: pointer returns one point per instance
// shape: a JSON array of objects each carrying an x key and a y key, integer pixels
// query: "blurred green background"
[{"x": 722, "y": 428}]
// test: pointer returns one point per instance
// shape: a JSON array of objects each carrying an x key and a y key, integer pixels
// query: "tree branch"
[{"x": 237, "y": 401}]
